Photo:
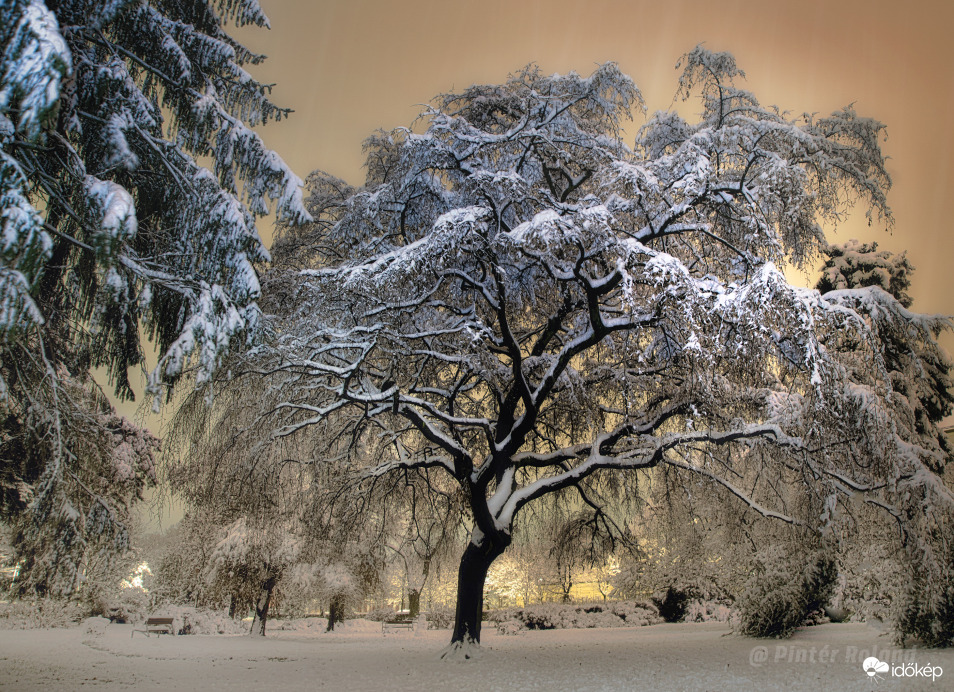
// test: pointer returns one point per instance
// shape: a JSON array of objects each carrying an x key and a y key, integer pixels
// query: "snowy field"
[{"x": 659, "y": 657}]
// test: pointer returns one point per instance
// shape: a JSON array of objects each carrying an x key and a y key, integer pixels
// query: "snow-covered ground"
[{"x": 659, "y": 657}]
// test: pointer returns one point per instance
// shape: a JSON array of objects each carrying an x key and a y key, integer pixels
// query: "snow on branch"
[{"x": 552, "y": 309}]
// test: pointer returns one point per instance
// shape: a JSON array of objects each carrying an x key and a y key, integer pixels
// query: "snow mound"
[{"x": 467, "y": 650}]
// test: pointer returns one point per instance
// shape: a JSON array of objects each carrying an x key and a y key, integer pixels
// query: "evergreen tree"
[
  {"x": 874, "y": 286},
  {"x": 113, "y": 231}
]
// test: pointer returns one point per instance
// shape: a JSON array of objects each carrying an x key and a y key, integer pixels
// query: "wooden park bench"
[
  {"x": 401, "y": 621},
  {"x": 155, "y": 626}
]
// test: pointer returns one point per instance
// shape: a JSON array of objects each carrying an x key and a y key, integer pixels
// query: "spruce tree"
[{"x": 130, "y": 183}]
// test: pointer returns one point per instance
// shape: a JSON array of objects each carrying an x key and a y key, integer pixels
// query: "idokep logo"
[{"x": 875, "y": 668}]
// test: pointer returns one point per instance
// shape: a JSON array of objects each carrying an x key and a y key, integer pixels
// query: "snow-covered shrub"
[
  {"x": 777, "y": 599},
  {"x": 304, "y": 625},
  {"x": 708, "y": 611},
  {"x": 319, "y": 625},
  {"x": 769, "y": 608},
  {"x": 43, "y": 614},
  {"x": 129, "y": 605},
  {"x": 440, "y": 618},
  {"x": 931, "y": 623},
  {"x": 635, "y": 613},
  {"x": 380, "y": 614},
  {"x": 186, "y": 620},
  {"x": 541, "y": 616},
  {"x": 548, "y": 616},
  {"x": 511, "y": 627},
  {"x": 96, "y": 625}
]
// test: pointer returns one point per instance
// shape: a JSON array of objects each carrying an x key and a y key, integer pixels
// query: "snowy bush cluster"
[
  {"x": 45, "y": 613},
  {"x": 190, "y": 620},
  {"x": 314, "y": 625},
  {"x": 548, "y": 616},
  {"x": 780, "y": 597},
  {"x": 128, "y": 605},
  {"x": 709, "y": 611},
  {"x": 440, "y": 618},
  {"x": 380, "y": 614}
]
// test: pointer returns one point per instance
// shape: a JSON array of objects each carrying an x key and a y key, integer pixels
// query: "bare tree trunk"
[
  {"x": 566, "y": 582},
  {"x": 470, "y": 586},
  {"x": 335, "y": 612},
  {"x": 414, "y": 603},
  {"x": 261, "y": 606},
  {"x": 416, "y": 587}
]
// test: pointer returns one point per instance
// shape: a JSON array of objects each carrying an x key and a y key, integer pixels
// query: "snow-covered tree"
[
  {"x": 294, "y": 525},
  {"x": 915, "y": 376},
  {"x": 181, "y": 563},
  {"x": 70, "y": 532},
  {"x": 251, "y": 558},
  {"x": 519, "y": 300},
  {"x": 423, "y": 527},
  {"x": 343, "y": 572},
  {"x": 112, "y": 230},
  {"x": 257, "y": 509},
  {"x": 511, "y": 580},
  {"x": 857, "y": 265}
]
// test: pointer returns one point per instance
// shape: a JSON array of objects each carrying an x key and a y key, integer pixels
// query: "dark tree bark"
[
  {"x": 566, "y": 583},
  {"x": 470, "y": 585},
  {"x": 262, "y": 603},
  {"x": 414, "y": 592},
  {"x": 414, "y": 603},
  {"x": 335, "y": 612}
]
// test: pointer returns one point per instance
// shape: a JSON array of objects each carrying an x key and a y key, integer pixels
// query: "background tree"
[
  {"x": 518, "y": 299},
  {"x": 575, "y": 543},
  {"x": 917, "y": 375},
  {"x": 70, "y": 514},
  {"x": 257, "y": 504},
  {"x": 345, "y": 574},
  {"x": 294, "y": 525},
  {"x": 250, "y": 560},
  {"x": 425, "y": 521},
  {"x": 113, "y": 230},
  {"x": 181, "y": 565},
  {"x": 691, "y": 546}
]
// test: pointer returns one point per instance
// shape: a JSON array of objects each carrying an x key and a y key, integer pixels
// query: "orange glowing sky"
[{"x": 348, "y": 67}]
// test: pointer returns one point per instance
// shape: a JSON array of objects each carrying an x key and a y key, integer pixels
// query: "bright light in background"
[{"x": 135, "y": 580}]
